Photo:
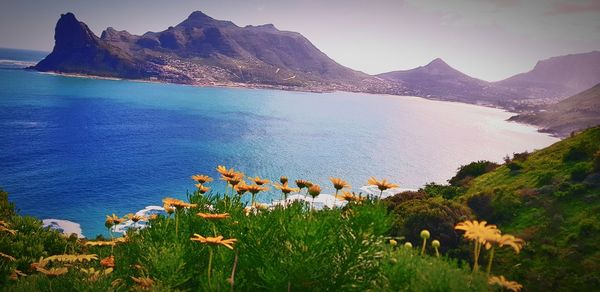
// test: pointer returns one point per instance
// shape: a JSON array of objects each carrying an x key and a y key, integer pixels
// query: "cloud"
[{"x": 574, "y": 8}]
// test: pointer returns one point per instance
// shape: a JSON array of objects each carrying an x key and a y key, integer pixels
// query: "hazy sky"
[{"x": 487, "y": 39}]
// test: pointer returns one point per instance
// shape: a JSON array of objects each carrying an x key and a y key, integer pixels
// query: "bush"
[
  {"x": 580, "y": 171},
  {"x": 437, "y": 215},
  {"x": 445, "y": 191},
  {"x": 472, "y": 170},
  {"x": 579, "y": 152},
  {"x": 596, "y": 161},
  {"x": 514, "y": 166},
  {"x": 481, "y": 204}
]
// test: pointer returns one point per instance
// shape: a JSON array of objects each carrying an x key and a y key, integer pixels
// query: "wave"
[
  {"x": 64, "y": 226},
  {"x": 16, "y": 63}
]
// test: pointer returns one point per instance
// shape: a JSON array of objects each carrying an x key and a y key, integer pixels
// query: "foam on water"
[{"x": 64, "y": 226}]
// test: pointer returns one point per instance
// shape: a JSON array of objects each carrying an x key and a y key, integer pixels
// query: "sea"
[{"x": 77, "y": 149}]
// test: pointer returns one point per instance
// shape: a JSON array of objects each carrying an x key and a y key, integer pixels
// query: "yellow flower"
[
  {"x": 283, "y": 180},
  {"x": 393, "y": 242},
  {"x": 144, "y": 282},
  {"x": 381, "y": 185},
  {"x": 178, "y": 204},
  {"x": 241, "y": 188},
  {"x": 303, "y": 183},
  {"x": 284, "y": 188},
  {"x": 209, "y": 216},
  {"x": 314, "y": 191},
  {"x": 5, "y": 228},
  {"x": 259, "y": 181},
  {"x": 502, "y": 240},
  {"x": 8, "y": 257},
  {"x": 168, "y": 208},
  {"x": 71, "y": 258},
  {"x": 202, "y": 189},
  {"x": 338, "y": 183},
  {"x": 254, "y": 189},
  {"x": 16, "y": 274},
  {"x": 350, "y": 197},
  {"x": 202, "y": 179},
  {"x": 53, "y": 272},
  {"x": 503, "y": 282},
  {"x": 135, "y": 218},
  {"x": 233, "y": 180},
  {"x": 214, "y": 240},
  {"x": 226, "y": 172},
  {"x": 477, "y": 231}
]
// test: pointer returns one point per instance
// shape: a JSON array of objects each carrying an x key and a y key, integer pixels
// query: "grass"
[{"x": 282, "y": 249}]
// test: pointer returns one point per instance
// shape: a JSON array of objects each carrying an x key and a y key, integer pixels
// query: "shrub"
[
  {"x": 481, "y": 204},
  {"x": 445, "y": 191},
  {"x": 579, "y": 152},
  {"x": 437, "y": 215},
  {"x": 514, "y": 166},
  {"x": 579, "y": 172},
  {"x": 596, "y": 161},
  {"x": 545, "y": 178},
  {"x": 472, "y": 170}
]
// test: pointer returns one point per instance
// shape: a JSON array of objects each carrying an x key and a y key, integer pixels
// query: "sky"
[{"x": 487, "y": 39}]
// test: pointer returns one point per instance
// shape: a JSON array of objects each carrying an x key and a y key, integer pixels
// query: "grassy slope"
[{"x": 557, "y": 215}]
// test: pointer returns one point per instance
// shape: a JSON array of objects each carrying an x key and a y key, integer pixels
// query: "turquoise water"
[{"x": 79, "y": 148}]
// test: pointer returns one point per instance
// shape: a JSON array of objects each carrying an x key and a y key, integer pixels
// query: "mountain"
[
  {"x": 574, "y": 113},
  {"x": 556, "y": 78},
  {"x": 438, "y": 80},
  {"x": 204, "y": 51}
]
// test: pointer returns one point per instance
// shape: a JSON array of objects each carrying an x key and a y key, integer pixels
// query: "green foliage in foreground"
[{"x": 280, "y": 249}]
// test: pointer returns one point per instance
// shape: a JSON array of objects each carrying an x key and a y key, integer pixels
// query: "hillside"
[
  {"x": 556, "y": 78},
  {"x": 551, "y": 198},
  {"x": 203, "y": 51},
  {"x": 439, "y": 80},
  {"x": 572, "y": 114}
]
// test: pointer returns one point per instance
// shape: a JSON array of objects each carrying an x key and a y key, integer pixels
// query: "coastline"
[{"x": 235, "y": 85}]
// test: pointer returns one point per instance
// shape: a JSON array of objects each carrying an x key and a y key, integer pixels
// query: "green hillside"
[{"x": 550, "y": 198}]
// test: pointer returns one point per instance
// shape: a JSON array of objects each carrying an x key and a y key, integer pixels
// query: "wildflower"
[
  {"x": 168, "y": 208},
  {"x": 113, "y": 220},
  {"x": 408, "y": 245},
  {"x": 284, "y": 188},
  {"x": 381, "y": 185},
  {"x": 234, "y": 180},
  {"x": 153, "y": 217},
  {"x": 314, "y": 191},
  {"x": 255, "y": 189},
  {"x": 425, "y": 235},
  {"x": 202, "y": 189},
  {"x": 209, "y": 216},
  {"x": 4, "y": 226},
  {"x": 259, "y": 181},
  {"x": 100, "y": 243},
  {"x": 338, "y": 183},
  {"x": 52, "y": 272},
  {"x": 283, "y": 180},
  {"x": 202, "y": 179},
  {"x": 135, "y": 218},
  {"x": 241, "y": 188},
  {"x": 503, "y": 282},
  {"x": 178, "y": 204},
  {"x": 393, "y": 242},
  {"x": 501, "y": 240},
  {"x": 8, "y": 257},
  {"x": 144, "y": 282},
  {"x": 228, "y": 243},
  {"x": 226, "y": 172},
  {"x": 436, "y": 245},
  {"x": 300, "y": 183},
  {"x": 108, "y": 262},
  {"x": 94, "y": 275},
  {"x": 478, "y": 232},
  {"x": 71, "y": 258},
  {"x": 350, "y": 197}
]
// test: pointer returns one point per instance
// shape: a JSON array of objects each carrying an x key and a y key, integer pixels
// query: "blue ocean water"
[{"x": 80, "y": 148}]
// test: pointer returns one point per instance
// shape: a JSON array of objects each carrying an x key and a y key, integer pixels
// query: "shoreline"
[{"x": 234, "y": 85}]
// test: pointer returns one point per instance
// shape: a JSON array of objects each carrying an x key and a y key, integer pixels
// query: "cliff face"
[{"x": 78, "y": 50}]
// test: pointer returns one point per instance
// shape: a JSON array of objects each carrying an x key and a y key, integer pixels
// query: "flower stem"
[
  {"x": 210, "y": 256},
  {"x": 437, "y": 253},
  {"x": 424, "y": 244},
  {"x": 176, "y": 223},
  {"x": 476, "y": 257},
  {"x": 380, "y": 194},
  {"x": 490, "y": 260}
]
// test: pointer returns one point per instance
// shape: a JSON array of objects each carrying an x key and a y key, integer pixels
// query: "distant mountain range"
[
  {"x": 577, "y": 112},
  {"x": 205, "y": 51}
]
